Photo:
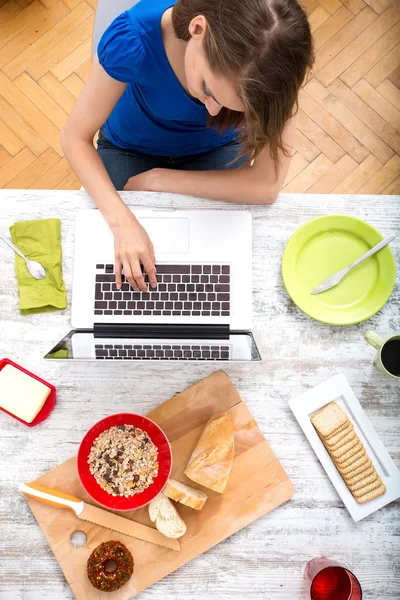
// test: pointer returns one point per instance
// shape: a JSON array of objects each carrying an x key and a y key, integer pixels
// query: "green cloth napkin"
[
  {"x": 41, "y": 241},
  {"x": 63, "y": 353}
]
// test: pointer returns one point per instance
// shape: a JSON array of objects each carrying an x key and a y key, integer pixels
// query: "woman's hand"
[
  {"x": 132, "y": 247},
  {"x": 149, "y": 181}
]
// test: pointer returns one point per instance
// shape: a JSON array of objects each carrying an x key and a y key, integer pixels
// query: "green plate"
[{"x": 324, "y": 246}]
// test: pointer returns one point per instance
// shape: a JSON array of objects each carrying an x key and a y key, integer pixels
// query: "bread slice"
[
  {"x": 211, "y": 461},
  {"x": 167, "y": 519},
  {"x": 185, "y": 494}
]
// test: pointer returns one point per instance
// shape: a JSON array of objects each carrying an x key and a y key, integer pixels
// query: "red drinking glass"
[{"x": 328, "y": 580}]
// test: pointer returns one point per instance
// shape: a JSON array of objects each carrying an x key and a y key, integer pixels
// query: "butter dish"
[{"x": 48, "y": 404}]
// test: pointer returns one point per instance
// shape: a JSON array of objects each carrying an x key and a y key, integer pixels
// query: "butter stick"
[{"x": 21, "y": 394}]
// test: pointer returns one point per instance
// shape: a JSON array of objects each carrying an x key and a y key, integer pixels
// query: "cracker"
[
  {"x": 329, "y": 418},
  {"x": 344, "y": 448},
  {"x": 367, "y": 488},
  {"x": 347, "y": 456},
  {"x": 372, "y": 495},
  {"x": 348, "y": 453},
  {"x": 355, "y": 468},
  {"x": 363, "y": 471},
  {"x": 356, "y": 454},
  {"x": 354, "y": 487},
  {"x": 346, "y": 434},
  {"x": 335, "y": 431}
]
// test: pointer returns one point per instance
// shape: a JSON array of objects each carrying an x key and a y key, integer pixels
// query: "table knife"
[
  {"x": 337, "y": 277},
  {"x": 101, "y": 517}
]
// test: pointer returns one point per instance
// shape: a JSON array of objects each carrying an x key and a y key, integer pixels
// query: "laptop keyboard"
[
  {"x": 154, "y": 352},
  {"x": 182, "y": 290}
]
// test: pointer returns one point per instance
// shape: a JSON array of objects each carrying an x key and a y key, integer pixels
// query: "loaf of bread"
[
  {"x": 167, "y": 519},
  {"x": 185, "y": 494},
  {"x": 211, "y": 461}
]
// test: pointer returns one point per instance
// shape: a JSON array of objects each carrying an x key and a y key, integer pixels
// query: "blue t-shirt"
[{"x": 155, "y": 115}]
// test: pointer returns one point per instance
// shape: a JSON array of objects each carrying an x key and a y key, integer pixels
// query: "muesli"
[{"x": 123, "y": 460}]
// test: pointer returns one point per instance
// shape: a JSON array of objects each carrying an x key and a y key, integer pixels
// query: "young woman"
[{"x": 195, "y": 97}]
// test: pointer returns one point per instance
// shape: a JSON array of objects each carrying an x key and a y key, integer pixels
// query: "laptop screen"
[{"x": 85, "y": 345}]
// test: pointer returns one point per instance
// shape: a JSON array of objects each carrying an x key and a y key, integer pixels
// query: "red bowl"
[{"x": 158, "y": 438}]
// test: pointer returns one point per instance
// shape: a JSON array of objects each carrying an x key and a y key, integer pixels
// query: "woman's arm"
[
  {"x": 91, "y": 110},
  {"x": 258, "y": 184}
]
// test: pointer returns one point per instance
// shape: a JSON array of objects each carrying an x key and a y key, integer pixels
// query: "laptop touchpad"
[{"x": 168, "y": 234}]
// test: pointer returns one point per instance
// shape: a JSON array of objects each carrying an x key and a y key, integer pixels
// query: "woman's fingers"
[
  {"x": 151, "y": 252},
  {"x": 129, "y": 274},
  {"x": 137, "y": 275},
  {"x": 153, "y": 260},
  {"x": 149, "y": 266},
  {"x": 130, "y": 264},
  {"x": 118, "y": 274}
]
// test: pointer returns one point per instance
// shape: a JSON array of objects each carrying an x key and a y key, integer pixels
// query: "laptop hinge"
[{"x": 146, "y": 330}]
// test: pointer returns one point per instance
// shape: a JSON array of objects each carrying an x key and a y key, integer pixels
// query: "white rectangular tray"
[{"x": 337, "y": 389}]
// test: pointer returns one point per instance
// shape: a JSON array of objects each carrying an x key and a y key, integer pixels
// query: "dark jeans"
[{"x": 121, "y": 164}]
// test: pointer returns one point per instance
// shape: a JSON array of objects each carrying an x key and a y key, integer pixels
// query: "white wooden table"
[{"x": 266, "y": 560}]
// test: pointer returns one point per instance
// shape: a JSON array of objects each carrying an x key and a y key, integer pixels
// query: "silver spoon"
[{"x": 34, "y": 268}]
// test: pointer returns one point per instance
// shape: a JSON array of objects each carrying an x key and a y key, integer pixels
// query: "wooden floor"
[{"x": 349, "y": 118}]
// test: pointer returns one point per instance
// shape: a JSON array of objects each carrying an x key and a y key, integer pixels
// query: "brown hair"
[{"x": 264, "y": 45}]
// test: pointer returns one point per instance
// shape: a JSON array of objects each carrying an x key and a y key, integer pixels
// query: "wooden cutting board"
[{"x": 258, "y": 484}]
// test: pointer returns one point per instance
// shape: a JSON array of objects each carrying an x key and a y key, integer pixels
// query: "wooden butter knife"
[{"x": 101, "y": 517}]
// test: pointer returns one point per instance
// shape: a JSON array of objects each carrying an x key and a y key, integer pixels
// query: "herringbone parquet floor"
[{"x": 349, "y": 118}]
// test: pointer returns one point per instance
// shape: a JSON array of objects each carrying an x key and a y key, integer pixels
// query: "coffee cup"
[{"x": 388, "y": 355}]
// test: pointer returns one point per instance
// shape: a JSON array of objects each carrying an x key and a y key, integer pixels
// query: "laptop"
[{"x": 201, "y": 308}]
